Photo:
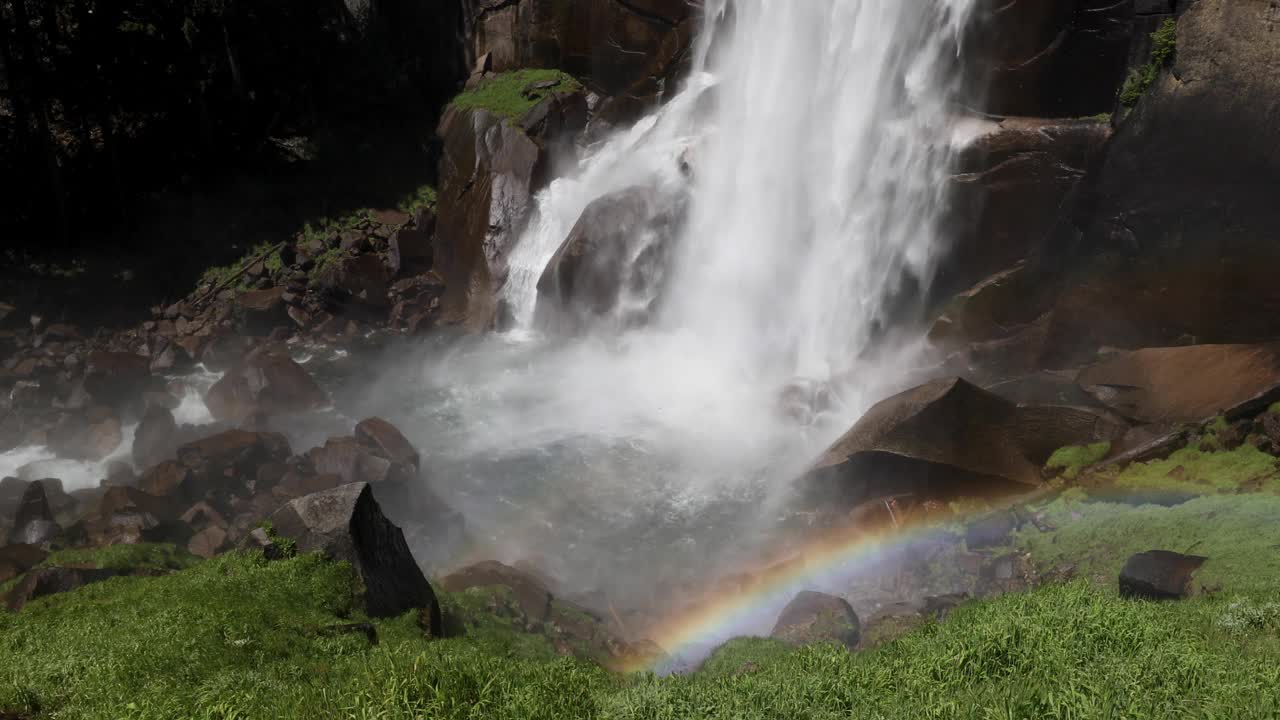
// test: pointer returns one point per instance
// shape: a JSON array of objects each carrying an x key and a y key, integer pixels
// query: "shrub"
[{"x": 1164, "y": 42}]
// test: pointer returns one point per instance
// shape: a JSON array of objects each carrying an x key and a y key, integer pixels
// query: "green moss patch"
[
  {"x": 1195, "y": 471},
  {"x": 1070, "y": 460},
  {"x": 512, "y": 94},
  {"x": 1164, "y": 42}
]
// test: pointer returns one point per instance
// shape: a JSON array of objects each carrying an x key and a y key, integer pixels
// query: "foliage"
[
  {"x": 219, "y": 274},
  {"x": 1164, "y": 42},
  {"x": 512, "y": 94},
  {"x": 422, "y": 196},
  {"x": 1070, "y": 460}
]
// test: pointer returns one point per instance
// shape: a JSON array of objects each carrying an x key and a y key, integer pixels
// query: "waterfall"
[
  {"x": 808, "y": 147},
  {"x": 819, "y": 136}
]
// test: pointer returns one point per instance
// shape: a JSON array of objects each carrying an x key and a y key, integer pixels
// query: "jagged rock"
[
  {"x": 944, "y": 438},
  {"x": 1049, "y": 59},
  {"x": 815, "y": 617},
  {"x": 155, "y": 437},
  {"x": 615, "y": 257},
  {"x": 33, "y": 524},
  {"x": 378, "y": 433},
  {"x": 1159, "y": 575},
  {"x": 487, "y": 175},
  {"x": 533, "y": 598},
  {"x": 43, "y": 582},
  {"x": 1167, "y": 384},
  {"x": 264, "y": 382},
  {"x": 346, "y": 524}
]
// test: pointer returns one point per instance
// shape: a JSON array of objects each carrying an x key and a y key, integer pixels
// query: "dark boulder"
[
  {"x": 229, "y": 462},
  {"x": 43, "y": 582},
  {"x": 1159, "y": 575},
  {"x": 128, "y": 516},
  {"x": 616, "y": 257},
  {"x": 346, "y": 524},
  {"x": 816, "y": 617},
  {"x": 155, "y": 437},
  {"x": 264, "y": 382}
]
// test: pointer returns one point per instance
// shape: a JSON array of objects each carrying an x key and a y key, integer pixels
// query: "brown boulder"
[
  {"x": 17, "y": 559},
  {"x": 378, "y": 433},
  {"x": 230, "y": 461},
  {"x": 354, "y": 461},
  {"x": 128, "y": 516},
  {"x": 50, "y": 581},
  {"x": 1168, "y": 384},
  {"x": 264, "y": 382},
  {"x": 816, "y": 617},
  {"x": 948, "y": 438},
  {"x": 533, "y": 598}
]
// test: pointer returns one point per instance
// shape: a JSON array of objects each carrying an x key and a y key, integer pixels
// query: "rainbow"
[{"x": 720, "y": 616}]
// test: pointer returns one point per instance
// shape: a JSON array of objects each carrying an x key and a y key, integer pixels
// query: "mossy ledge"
[{"x": 510, "y": 95}]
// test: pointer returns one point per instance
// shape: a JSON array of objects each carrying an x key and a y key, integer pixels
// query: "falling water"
[{"x": 811, "y": 141}]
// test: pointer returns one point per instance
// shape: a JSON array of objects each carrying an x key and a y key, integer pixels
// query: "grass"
[
  {"x": 219, "y": 274},
  {"x": 511, "y": 94},
  {"x": 1238, "y": 533},
  {"x": 1192, "y": 470},
  {"x": 1070, "y": 460},
  {"x": 1164, "y": 42},
  {"x": 240, "y": 637}
]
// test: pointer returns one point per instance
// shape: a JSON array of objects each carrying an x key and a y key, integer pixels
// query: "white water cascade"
[{"x": 817, "y": 136}]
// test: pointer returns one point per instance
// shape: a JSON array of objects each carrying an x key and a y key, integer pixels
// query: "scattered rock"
[
  {"x": 346, "y": 524},
  {"x": 267, "y": 383},
  {"x": 815, "y": 617},
  {"x": 1159, "y": 575},
  {"x": 155, "y": 437},
  {"x": 43, "y": 582}
]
